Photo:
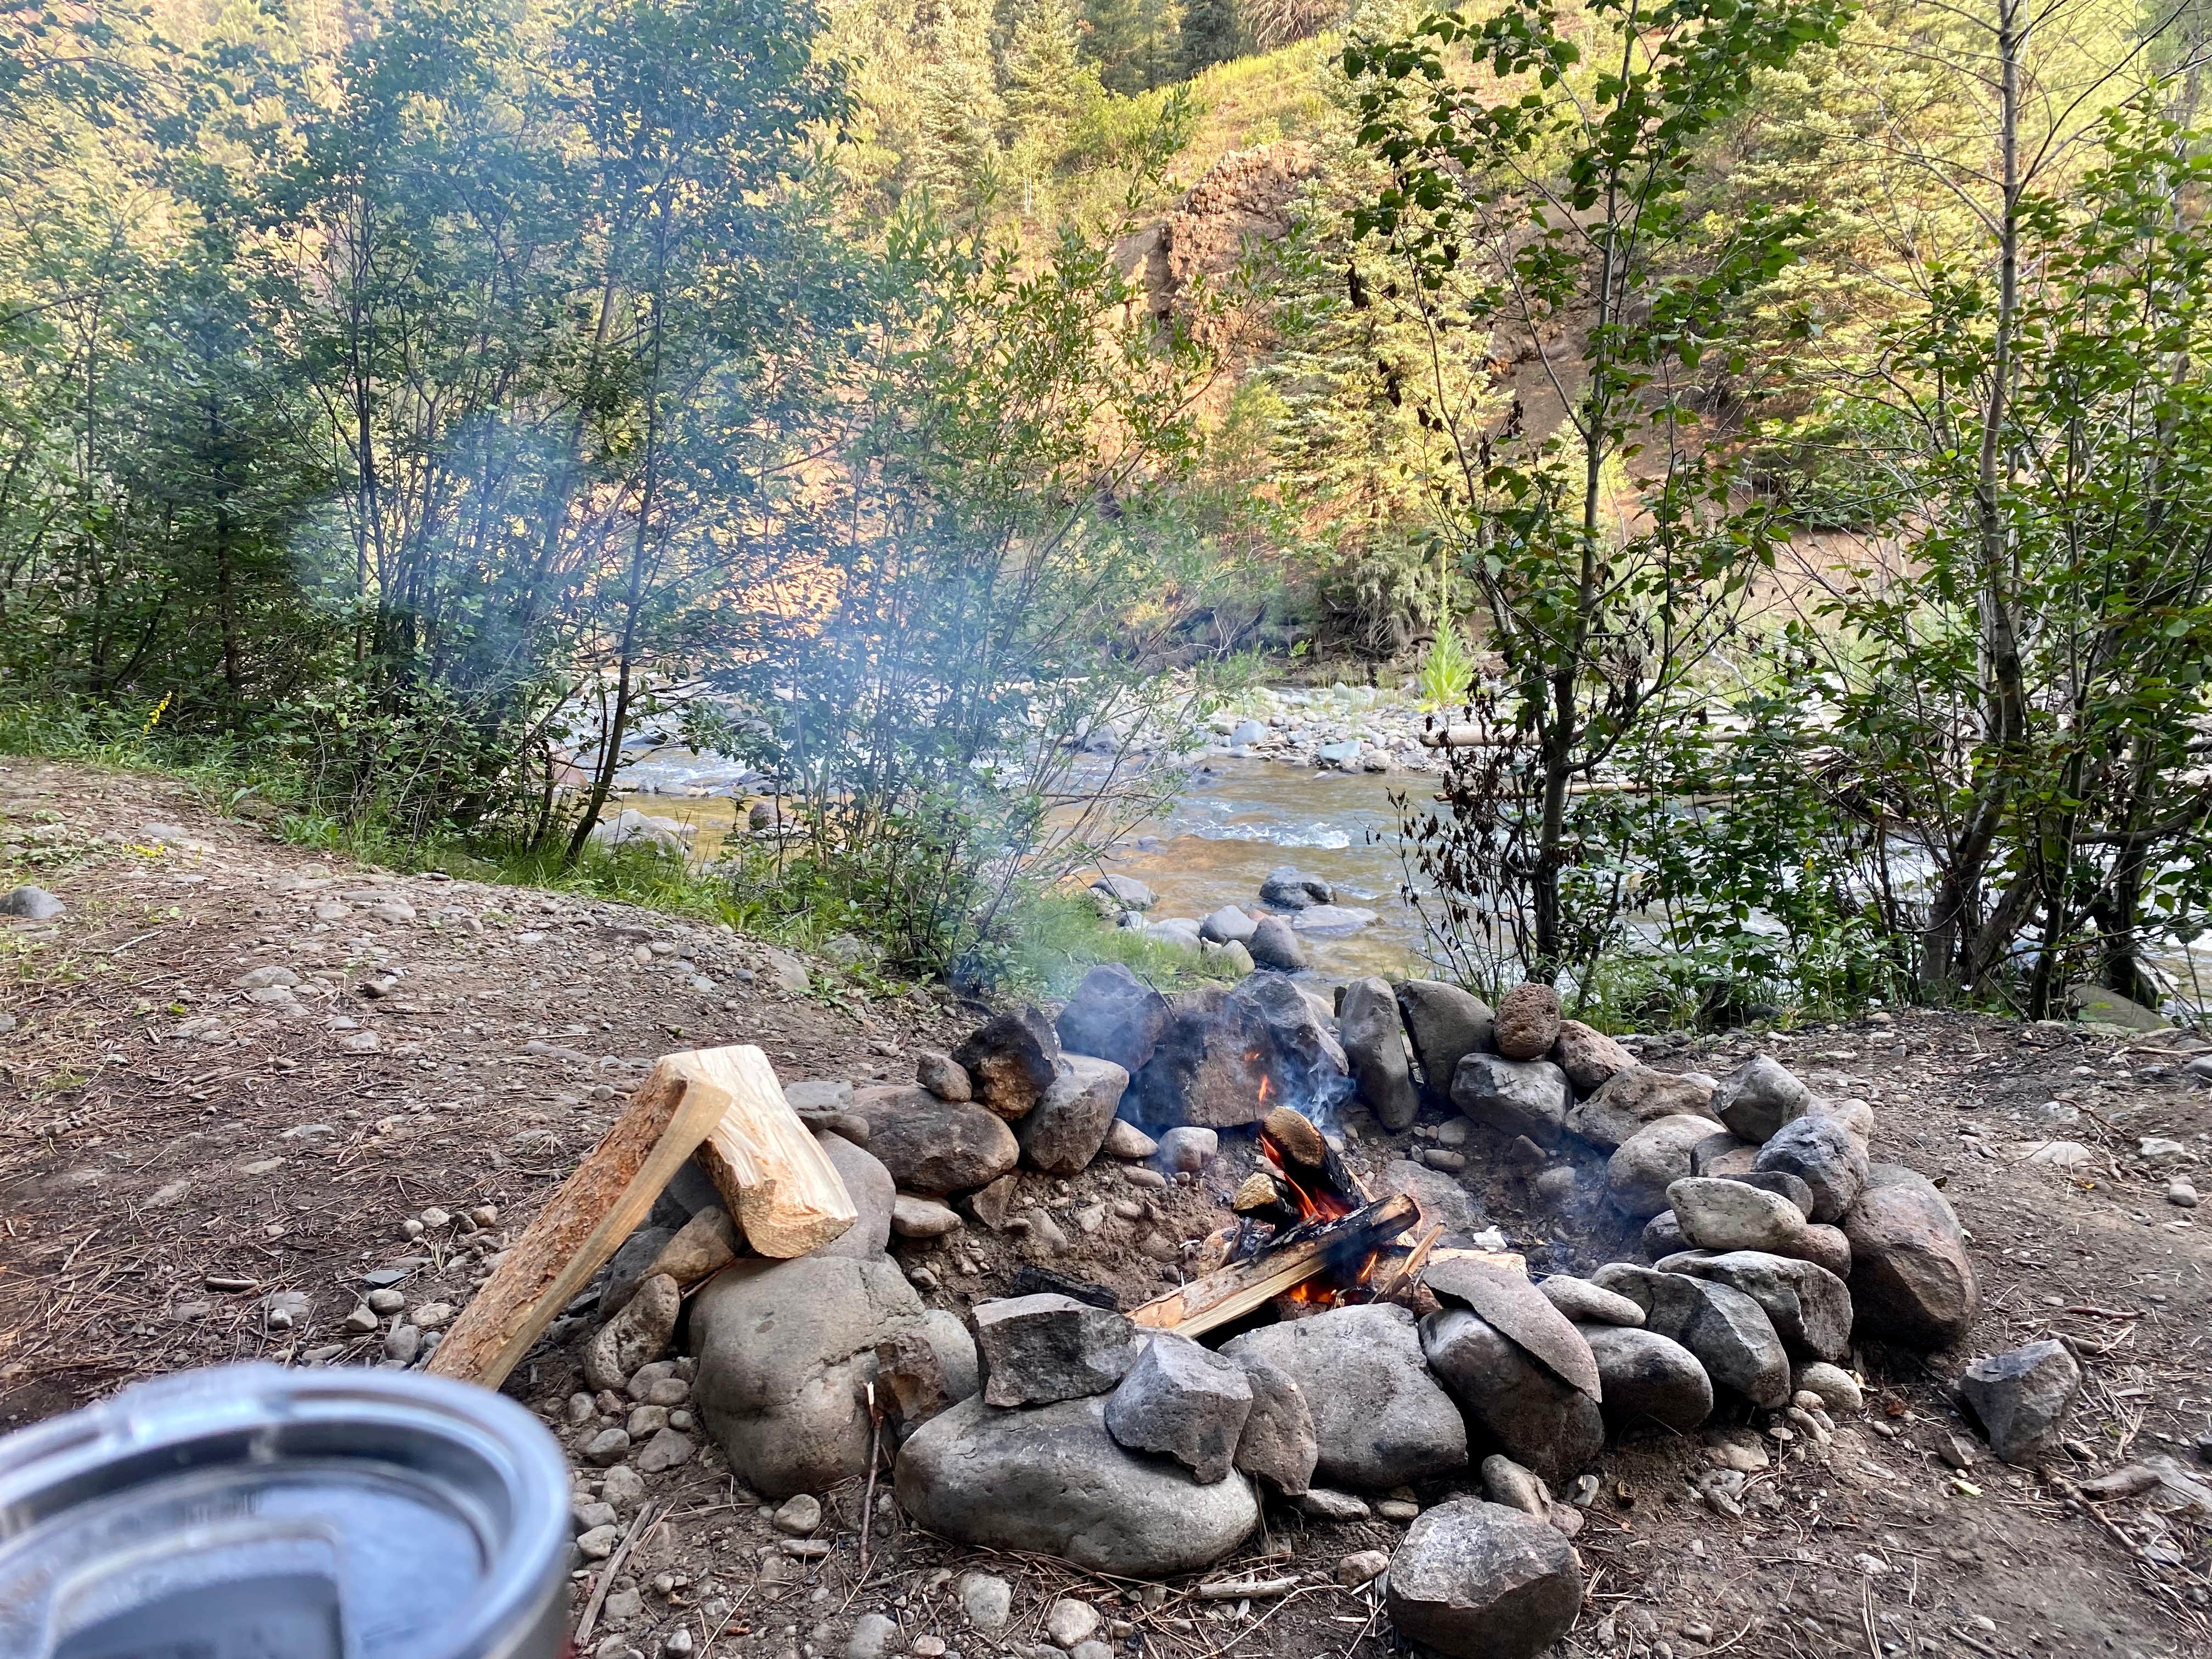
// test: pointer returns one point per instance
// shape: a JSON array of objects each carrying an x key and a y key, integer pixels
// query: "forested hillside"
[{"x": 1798, "y": 406}]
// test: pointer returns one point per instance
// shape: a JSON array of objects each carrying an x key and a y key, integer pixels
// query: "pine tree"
[
  {"x": 1046, "y": 85},
  {"x": 960, "y": 106},
  {"x": 1043, "y": 62},
  {"x": 1212, "y": 32},
  {"x": 1136, "y": 44}
]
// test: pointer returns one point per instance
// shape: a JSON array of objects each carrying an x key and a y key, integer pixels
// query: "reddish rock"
[
  {"x": 1527, "y": 1023},
  {"x": 1910, "y": 1278},
  {"x": 1590, "y": 1059}
]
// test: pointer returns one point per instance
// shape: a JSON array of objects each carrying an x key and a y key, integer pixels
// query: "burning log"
[
  {"x": 1343, "y": 1243},
  {"x": 1263, "y": 1197},
  {"x": 1304, "y": 1162}
]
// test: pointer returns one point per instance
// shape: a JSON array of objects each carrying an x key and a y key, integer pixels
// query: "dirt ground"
[{"x": 175, "y": 1150}]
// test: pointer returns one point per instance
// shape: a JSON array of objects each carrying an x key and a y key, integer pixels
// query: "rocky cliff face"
[{"x": 1244, "y": 199}]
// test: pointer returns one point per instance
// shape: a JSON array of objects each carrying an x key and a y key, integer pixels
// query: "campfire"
[{"x": 1307, "y": 1237}]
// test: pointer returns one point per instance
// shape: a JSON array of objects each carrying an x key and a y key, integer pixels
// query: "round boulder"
[
  {"x": 1733, "y": 1215},
  {"x": 1375, "y": 1045},
  {"x": 1542, "y": 1423},
  {"x": 1585, "y": 1304},
  {"x": 1272, "y": 945},
  {"x": 933, "y": 1147},
  {"x": 1650, "y": 1378},
  {"x": 1651, "y": 1160},
  {"x": 873, "y": 1192},
  {"x": 1824, "y": 1155},
  {"x": 1477, "y": 1580},
  {"x": 1912, "y": 1281},
  {"x": 1227, "y": 926},
  {"x": 1513, "y": 1097},
  {"x": 784, "y": 1349},
  {"x": 1446, "y": 1024},
  {"x": 1113, "y": 1015},
  {"x": 1064, "y": 1131},
  {"x": 1380, "y": 1418},
  {"x": 1590, "y": 1058},
  {"x": 1630, "y": 1099},
  {"x": 1758, "y": 1097}
]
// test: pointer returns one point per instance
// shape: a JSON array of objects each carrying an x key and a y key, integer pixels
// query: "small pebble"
[
  {"x": 801, "y": 1515},
  {"x": 1397, "y": 1509},
  {"x": 1069, "y": 1621},
  {"x": 1361, "y": 1567},
  {"x": 386, "y": 1300},
  {"x": 2181, "y": 1194}
]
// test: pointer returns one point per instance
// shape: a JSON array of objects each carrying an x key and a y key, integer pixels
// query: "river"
[{"x": 1239, "y": 817}]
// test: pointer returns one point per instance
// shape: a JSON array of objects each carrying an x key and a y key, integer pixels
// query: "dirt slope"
[{"x": 164, "y": 1125}]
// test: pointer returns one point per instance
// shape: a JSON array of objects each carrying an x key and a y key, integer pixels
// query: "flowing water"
[{"x": 1240, "y": 817}]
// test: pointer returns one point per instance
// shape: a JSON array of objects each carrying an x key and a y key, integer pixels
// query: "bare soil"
[{"x": 162, "y": 1132}]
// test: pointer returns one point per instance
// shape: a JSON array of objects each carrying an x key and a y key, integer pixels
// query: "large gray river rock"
[
  {"x": 786, "y": 1349},
  {"x": 1050, "y": 1479},
  {"x": 1380, "y": 1418}
]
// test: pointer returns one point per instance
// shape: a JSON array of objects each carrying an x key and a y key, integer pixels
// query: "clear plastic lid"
[{"x": 252, "y": 1512}]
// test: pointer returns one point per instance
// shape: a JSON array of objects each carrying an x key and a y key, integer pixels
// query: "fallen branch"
[
  {"x": 637, "y": 1530},
  {"x": 1239, "y": 1589}
]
